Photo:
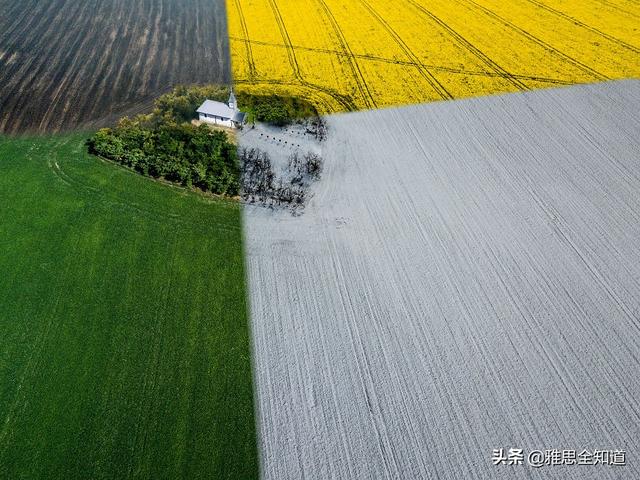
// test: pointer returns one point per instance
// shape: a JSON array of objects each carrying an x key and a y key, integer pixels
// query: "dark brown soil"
[{"x": 66, "y": 64}]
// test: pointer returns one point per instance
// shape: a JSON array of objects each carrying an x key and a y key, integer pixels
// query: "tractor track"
[
  {"x": 575, "y": 62},
  {"x": 619, "y": 8},
  {"x": 245, "y": 31},
  {"x": 293, "y": 61},
  {"x": 344, "y": 101},
  {"x": 375, "y": 58},
  {"x": 291, "y": 54},
  {"x": 112, "y": 199},
  {"x": 575, "y": 21},
  {"x": 361, "y": 83},
  {"x": 425, "y": 73},
  {"x": 69, "y": 63},
  {"x": 463, "y": 42}
]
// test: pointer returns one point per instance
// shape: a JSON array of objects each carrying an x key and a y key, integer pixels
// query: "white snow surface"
[{"x": 466, "y": 277}]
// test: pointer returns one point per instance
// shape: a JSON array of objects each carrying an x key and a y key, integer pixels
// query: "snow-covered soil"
[
  {"x": 465, "y": 278},
  {"x": 279, "y": 165},
  {"x": 278, "y": 142}
]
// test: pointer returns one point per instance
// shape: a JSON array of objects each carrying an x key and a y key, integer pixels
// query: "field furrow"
[
  {"x": 380, "y": 54},
  {"x": 465, "y": 278},
  {"x": 576, "y": 40},
  {"x": 65, "y": 64}
]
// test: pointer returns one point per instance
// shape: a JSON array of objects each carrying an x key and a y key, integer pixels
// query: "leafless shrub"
[
  {"x": 317, "y": 127},
  {"x": 261, "y": 185},
  {"x": 256, "y": 174},
  {"x": 295, "y": 169},
  {"x": 313, "y": 164}
]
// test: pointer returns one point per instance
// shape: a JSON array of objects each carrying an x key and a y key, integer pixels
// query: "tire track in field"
[
  {"x": 71, "y": 78},
  {"x": 29, "y": 77},
  {"x": 119, "y": 84},
  {"x": 20, "y": 404},
  {"x": 425, "y": 73},
  {"x": 75, "y": 63},
  {"x": 450, "y": 286},
  {"x": 344, "y": 101},
  {"x": 24, "y": 19},
  {"x": 619, "y": 8},
  {"x": 245, "y": 32},
  {"x": 293, "y": 61},
  {"x": 291, "y": 54},
  {"x": 151, "y": 46},
  {"x": 156, "y": 216},
  {"x": 479, "y": 54},
  {"x": 361, "y": 82},
  {"x": 575, "y": 62},
  {"x": 575, "y": 21},
  {"x": 83, "y": 69},
  {"x": 20, "y": 73},
  {"x": 375, "y": 58},
  {"x": 70, "y": 66},
  {"x": 60, "y": 67},
  {"x": 362, "y": 365},
  {"x": 114, "y": 70}
]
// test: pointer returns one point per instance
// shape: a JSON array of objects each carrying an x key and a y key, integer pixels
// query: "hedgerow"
[{"x": 182, "y": 153}]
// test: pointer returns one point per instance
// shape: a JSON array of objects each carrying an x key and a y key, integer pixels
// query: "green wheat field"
[{"x": 125, "y": 347}]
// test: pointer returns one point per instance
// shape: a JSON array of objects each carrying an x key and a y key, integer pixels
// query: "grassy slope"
[{"x": 124, "y": 349}]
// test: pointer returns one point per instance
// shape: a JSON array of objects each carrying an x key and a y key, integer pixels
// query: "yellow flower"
[{"x": 375, "y": 53}]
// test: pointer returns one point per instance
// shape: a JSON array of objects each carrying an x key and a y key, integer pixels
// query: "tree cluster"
[
  {"x": 276, "y": 110},
  {"x": 257, "y": 176},
  {"x": 165, "y": 144},
  {"x": 182, "y": 153},
  {"x": 304, "y": 169},
  {"x": 317, "y": 127},
  {"x": 182, "y": 102},
  {"x": 260, "y": 184}
]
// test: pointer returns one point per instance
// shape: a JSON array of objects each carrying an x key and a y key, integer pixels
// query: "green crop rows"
[{"x": 124, "y": 344}]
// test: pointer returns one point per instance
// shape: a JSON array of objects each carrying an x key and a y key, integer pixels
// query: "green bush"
[
  {"x": 164, "y": 144},
  {"x": 182, "y": 102},
  {"x": 274, "y": 114},
  {"x": 274, "y": 109},
  {"x": 178, "y": 152}
]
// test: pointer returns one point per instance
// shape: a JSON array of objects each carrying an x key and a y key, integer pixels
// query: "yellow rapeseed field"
[{"x": 375, "y": 53}]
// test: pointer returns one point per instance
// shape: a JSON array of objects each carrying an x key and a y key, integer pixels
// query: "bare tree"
[
  {"x": 261, "y": 185},
  {"x": 317, "y": 127},
  {"x": 313, "y": 164}
]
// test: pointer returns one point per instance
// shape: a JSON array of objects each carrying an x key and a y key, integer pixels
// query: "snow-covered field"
[{"x": 465, "y": 278}]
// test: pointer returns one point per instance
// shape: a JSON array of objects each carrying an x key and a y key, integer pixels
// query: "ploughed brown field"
[{"x": 67, "y": 64}]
